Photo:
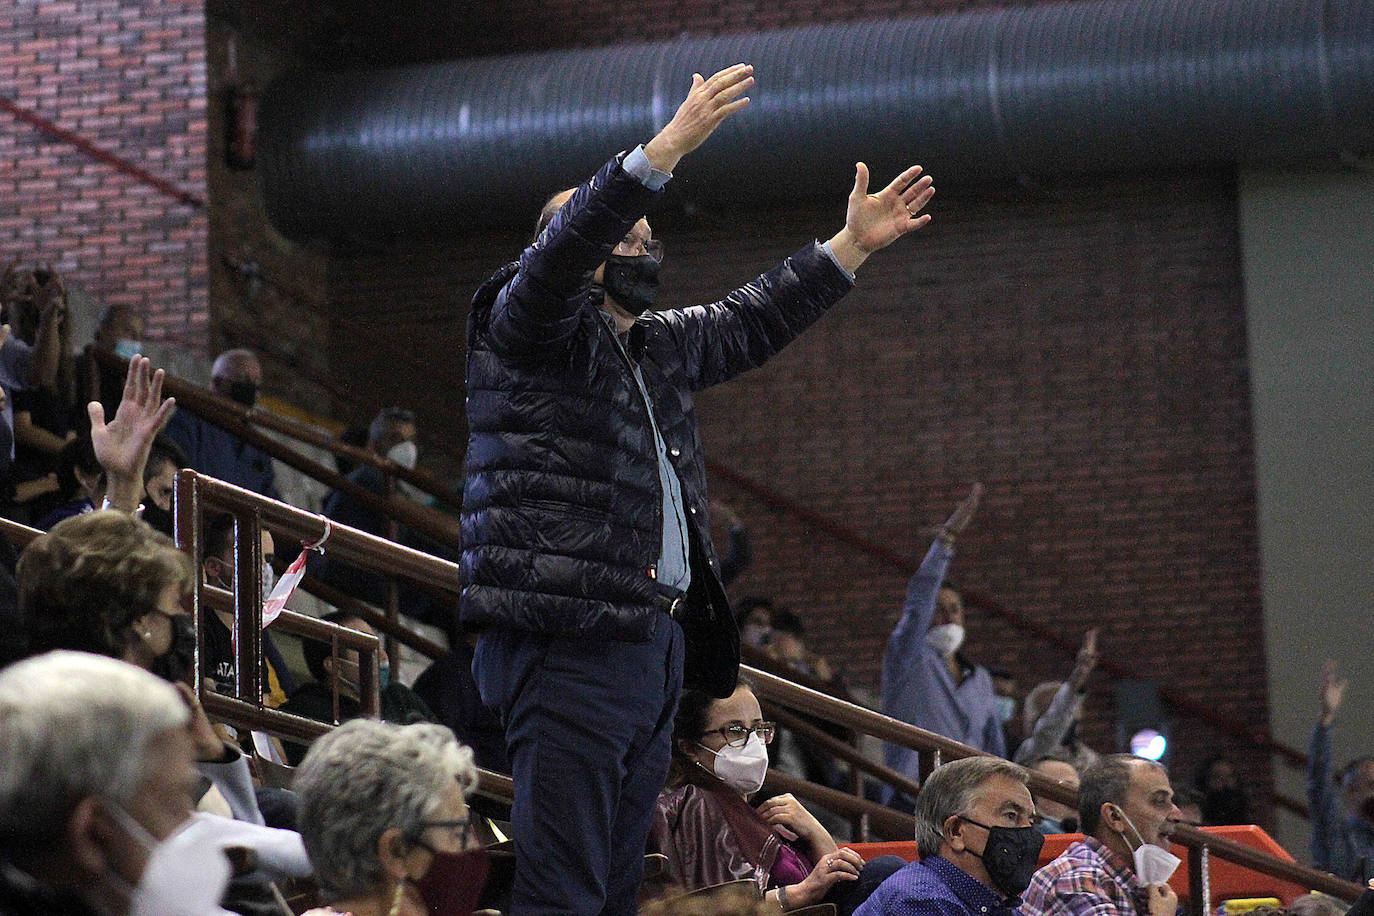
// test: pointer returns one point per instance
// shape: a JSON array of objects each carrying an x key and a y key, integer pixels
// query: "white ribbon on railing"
[{"x": 286, "y": 585}]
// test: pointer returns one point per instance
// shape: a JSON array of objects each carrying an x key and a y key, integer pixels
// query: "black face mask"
[
  {"x": 246, "y": 393},
  {"x": 1011, "y": 856},
  {"x": 174, "y": 664},
  {"x": 631, "y": 281}
]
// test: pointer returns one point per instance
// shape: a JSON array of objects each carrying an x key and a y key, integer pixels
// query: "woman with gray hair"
[{"x": 385, "y": 820}]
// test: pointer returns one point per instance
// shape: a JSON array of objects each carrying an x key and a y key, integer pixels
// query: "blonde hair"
[{"x": 84, "y": 582}]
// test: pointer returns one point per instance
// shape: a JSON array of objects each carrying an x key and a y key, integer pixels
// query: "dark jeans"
[{"x": 588, "y": 729}]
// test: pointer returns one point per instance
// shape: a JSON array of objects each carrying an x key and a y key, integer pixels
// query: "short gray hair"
[
  {"x": 1106, "y": 779},
  {"x": 950, "y": 790},
  {"x": 364, "y": 778},
  {"x": 74, "y": 725}
]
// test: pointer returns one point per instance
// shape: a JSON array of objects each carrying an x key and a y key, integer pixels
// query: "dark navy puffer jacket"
[{"x": 562, "y": 511}]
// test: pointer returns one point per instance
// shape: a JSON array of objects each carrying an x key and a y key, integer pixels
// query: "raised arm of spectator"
[
  {"x": 51, "y": 302},
  {"x": 537, "y": 310},
  {"x": 924, "y": 587},
  {"x": 1323, "y": 800},
  {"x": 1053, "y": 725},
  {"x": 752, "y": 324},
  {"x": 123, "y": 444}
]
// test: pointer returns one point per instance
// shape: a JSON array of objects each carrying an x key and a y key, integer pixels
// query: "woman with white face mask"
[{"x": 710, "y": 833}]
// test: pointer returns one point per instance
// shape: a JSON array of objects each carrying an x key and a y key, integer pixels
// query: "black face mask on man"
[
  {"x": 246, "y": 393},
  {"x": 1011, "y": 856},
  {"x": 632, "y": 281}
]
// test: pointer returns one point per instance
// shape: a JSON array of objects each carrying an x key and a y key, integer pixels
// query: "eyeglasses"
[
  {"x": 633, "y": 245},
  {"x": 459, "y": 830},
  {"x": 738, "y": 735}
]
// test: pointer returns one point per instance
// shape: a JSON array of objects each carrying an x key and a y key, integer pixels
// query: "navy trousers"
[{"x": 589, "y": 728}]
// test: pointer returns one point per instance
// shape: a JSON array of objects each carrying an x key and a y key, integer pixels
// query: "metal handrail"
[{"x": 243, "y": 422}]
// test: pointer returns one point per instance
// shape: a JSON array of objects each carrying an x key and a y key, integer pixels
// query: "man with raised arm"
[
  {"x": 927, "y": 681},
  {"x": 588, "y": 564},
  {"x": 1342, "y": 806}
]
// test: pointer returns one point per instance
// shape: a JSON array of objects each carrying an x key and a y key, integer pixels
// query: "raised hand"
[
  {"x": 1086, "y": 661},
  {"x": 122, "y": 445},
  {"x": 874, "y": 221},
  {"x": 963, "y": 514},
  {"x": 1333, "y": 691},
  {"x": 709, "y": 102}
]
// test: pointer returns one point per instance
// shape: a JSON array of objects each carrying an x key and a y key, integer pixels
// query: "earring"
[{"x": 396, "y": 899}]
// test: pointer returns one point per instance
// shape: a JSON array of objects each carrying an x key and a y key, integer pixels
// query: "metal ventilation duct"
[{"x": 1035, "y": 91}]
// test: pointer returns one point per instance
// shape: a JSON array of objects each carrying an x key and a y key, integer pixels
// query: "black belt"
[{"x": 672, "y": 605}]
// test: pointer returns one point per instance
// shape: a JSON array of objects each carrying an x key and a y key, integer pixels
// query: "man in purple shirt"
[
  {"x": 977, "y": 840},
  {"x": 1125, "y": 804},
  {"x": 926, "y": 680}
]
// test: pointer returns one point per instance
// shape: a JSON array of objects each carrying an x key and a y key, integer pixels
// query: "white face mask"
[
  {"x": 186, "y": 873},
  {"x": 128, "y": 348},
  {"x": 755, "y": 634},
  {"x": 405, "y": 454},
  {"x": 1153, "y": 864},
  {"x": 742, "y": 768},
  {"x": 945, "y": 638}
]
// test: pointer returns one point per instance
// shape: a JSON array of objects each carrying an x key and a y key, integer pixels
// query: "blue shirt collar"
[{"x": 976, "y": 896}]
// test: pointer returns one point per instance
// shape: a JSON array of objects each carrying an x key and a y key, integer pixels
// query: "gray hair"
[
  {"x": 1106, "y": 779},
  {"x": 951, "y": 790},
  {"x": 364, "y": 778},
  {"x": 74, "y": 725}
]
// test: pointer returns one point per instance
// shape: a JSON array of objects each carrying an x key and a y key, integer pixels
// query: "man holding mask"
[
  {"x": 1122, "y": 865},
  {"x": 587, "y": 560}
]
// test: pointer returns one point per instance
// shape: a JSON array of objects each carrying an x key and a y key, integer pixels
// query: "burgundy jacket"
[{"x": 711, "y": 835}]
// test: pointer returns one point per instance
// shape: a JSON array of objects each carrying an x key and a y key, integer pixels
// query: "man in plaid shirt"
[{"x": 1124, "y": 802}]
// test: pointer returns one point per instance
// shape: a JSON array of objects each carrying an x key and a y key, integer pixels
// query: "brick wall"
[{"x": 130, "y": 78}]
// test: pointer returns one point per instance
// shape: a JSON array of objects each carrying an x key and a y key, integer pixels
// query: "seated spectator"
[
  {"x": 1223, "y": 798},
  {"x": 706, "y": 827},
  {"x": 1122, "y": 865},
  {"x": 1056, "y": 817},
  {"x": 237, "y": 375},
  {"x": 120, "y": 331},
  {"x": 159, "y": 484},
  {"x": 1053, "y": 711},
  {"x": 1189, "y": 801},
  {"x": 81, "y": 482},
  {"x": 315, "y": 699},
  {"x": 978, "y": 844},
  {"x": 927, "y": 681},
  {"x": 96, "y": 788},
  {"x": 220, "y": 663},
  {"x": 788, "y": 644},
  {"x": 386, "y": 823},
  {"x": 392, "y": 435},
  {"x": 1342, "y": 808},
  {"x": 754, "y": 618},
  {"x": 34, "y": 299},
  {"x": 19, "y": 497}
]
